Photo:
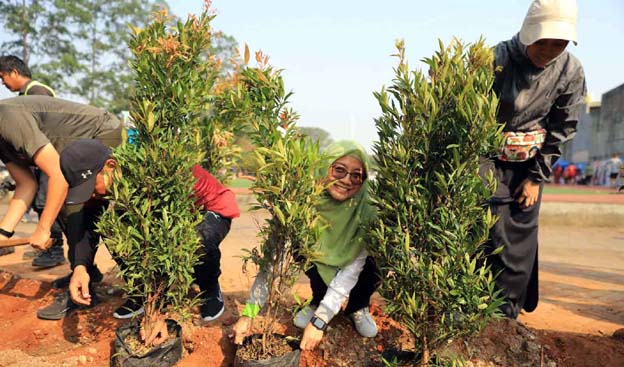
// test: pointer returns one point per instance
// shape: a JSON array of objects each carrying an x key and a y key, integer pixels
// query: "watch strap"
[
  {"x": 6, "y": 233},
  {"x": 318, "y": 323}
]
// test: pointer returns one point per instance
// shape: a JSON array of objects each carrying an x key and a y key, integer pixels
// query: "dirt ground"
[{"x": 581, "y": 306}]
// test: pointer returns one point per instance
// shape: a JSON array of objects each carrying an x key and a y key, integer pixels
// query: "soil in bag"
[
  {"x": 127, "y": 338},
  {"x": 285, "y": 349}
]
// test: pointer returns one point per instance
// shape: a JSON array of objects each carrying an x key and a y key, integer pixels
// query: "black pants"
[
  {"x": 516, "y": 230},
  {"x": 212, "y": 230},
  {"x": 360, "y": 295},
  {"x": 56, "y": 232}
]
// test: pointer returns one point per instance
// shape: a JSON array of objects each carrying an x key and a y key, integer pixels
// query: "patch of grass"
[
  {"x": 562, "y": 190},
  {"x": 240, "y": 183}
]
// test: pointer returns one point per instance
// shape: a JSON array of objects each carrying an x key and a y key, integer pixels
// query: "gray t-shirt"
[{"x": 27, "y": 123}]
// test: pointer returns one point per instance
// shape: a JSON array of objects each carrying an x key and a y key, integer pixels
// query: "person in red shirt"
[{"x": 87, "y": 165}]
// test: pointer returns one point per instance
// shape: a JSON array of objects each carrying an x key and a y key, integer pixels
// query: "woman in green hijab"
[{"x": 343, "y": 268}]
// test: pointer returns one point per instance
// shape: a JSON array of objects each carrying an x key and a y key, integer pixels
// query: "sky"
[{"x": 335, "y": 54}]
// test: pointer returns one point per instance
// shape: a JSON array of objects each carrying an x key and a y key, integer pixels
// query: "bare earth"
[{"x": 582, "y": 294}]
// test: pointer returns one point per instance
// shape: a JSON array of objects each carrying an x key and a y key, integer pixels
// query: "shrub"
[
  {"x": 431, "y": 199},
  {"x": 152, "y": 229}
]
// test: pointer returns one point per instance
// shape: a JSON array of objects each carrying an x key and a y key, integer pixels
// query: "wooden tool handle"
[{"x": 12, "y": 242}]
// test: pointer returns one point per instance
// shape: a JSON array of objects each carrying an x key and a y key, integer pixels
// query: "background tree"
[
  {"x": 20, "y": 19},
  {"x": 318, "y": 135},
  {"x": 79, "y": 47},
  {"x": 432, "y": 222}
]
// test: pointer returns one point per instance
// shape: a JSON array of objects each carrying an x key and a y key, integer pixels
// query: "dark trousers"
[
  {"x": 80, "y": 224},
  {"x": 56, "y": 232},
  {"x": 516, "y": 230},
  {"x": 212, "y": 230},
  {"x": 360, "y": 295}
]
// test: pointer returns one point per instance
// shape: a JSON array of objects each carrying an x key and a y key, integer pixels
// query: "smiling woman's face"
[
  {"x": 545, "y": 50},
  {"x": 347, "y": 173}
]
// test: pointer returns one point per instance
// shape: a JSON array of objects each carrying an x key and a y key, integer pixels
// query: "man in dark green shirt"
[
  {"x": 17, "y": 77},
  {"x": 33, "y": 130}
]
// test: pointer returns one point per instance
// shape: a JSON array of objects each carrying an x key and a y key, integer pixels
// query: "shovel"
[{"x": 12, "y": 242}]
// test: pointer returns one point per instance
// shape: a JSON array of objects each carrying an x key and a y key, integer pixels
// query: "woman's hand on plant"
[
  {"x": 79, "y": 286},
  {"x": 158, "y": 334},
  {"x": 528, "y": 191},
  {"x": 241, "y": 329},
  {"x": 311, "y": 337}
]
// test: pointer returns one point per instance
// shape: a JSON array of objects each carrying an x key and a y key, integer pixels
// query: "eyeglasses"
[{"x": 339, "y": 172}]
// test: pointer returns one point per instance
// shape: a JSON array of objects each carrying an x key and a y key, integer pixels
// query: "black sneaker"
[
  {"x": 31, "y": 254},
  {"x": 130, "y": 309},
  {"x": 7, "y": 251},
  {"x": 47, "y": 259},
  {"x": 62, "y": 306},
  {"x": 212, "y": 307},
  {"x": 63, "y": 282}
]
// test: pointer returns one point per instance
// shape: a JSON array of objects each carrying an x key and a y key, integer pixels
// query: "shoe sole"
[
  {"x": 46, "y": 266},
  {"x": 211, "y": 318},
  {"x": 138, "y": 312},
  {"x": 58, "y": 316}
]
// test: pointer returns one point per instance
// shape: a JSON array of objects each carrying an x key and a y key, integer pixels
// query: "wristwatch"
[{"x": 318, "y": 323}]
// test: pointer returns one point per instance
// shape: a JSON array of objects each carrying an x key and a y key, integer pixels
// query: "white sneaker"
[
  {"x": 364, "y": 323},
  {"x": 303, "y": 317}
]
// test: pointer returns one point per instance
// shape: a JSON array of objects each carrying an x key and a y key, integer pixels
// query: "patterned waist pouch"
[{"x": 520, "y": 146}]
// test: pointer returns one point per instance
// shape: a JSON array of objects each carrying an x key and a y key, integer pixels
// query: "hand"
[
  {"x": 311, "y": 337},
  {"x": 39, "y": 239},
  {"x": 158, "y": 334},
  {"x": 241, "y": 329},
  {"x": 528, "y": 191},
  {"x": 79, "y": 286}
]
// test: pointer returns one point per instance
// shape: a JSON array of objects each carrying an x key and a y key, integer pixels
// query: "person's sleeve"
[
  {"x": 340, "y": 287},
  {"x": 20, "y": 129},
  {"x": 81, "y": 234},
  {"x": 258, "y": 295},
  {"x": 561, "y": 125}
]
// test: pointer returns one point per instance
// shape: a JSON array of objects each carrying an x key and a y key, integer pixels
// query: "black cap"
[{"x": 81, "y": 161}]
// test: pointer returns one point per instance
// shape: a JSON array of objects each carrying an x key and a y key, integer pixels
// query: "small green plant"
[
  {"x": 432, "y": 219},
  {"x": 152, "y": 227},
  {"x": 287, "y": 185}
]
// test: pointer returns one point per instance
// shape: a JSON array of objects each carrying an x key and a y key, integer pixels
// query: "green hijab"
[{"x": 346, "y": 221}]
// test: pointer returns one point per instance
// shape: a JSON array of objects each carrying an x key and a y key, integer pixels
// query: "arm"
[
  {"x": 47, "y": 159},
  {"x": 257, "y": 298},
  {"x": 82, "y": 236},
  {"x": 561, "y": 125},
  {"x": 340, "y": 288},
  {"x": 25, "y": 190}
]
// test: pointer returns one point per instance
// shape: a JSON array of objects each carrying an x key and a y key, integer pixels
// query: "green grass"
[
  {"x": 240, "y": 183},
  {"x": 562, "y": 190}
]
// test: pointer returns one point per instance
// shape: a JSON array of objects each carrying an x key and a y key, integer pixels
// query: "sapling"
[
  {"x": 287, "y": 186},
  {"x": 151, "y": 230},
  {"x": 435, "y": 126}
]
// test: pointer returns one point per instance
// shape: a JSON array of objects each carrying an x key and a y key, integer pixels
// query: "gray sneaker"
[
  {"x": 303, "y": 317},
  {"x": 364, "y": 323},
  {"x": 31, "y": 254},
  {"x": 62, "y": 306},
  {"x": 7, "y": 251}
]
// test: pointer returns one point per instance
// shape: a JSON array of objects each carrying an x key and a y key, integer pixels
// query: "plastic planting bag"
[
  {"x": 166, "y": 354},
  {"x": 290, "y": 359}
]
